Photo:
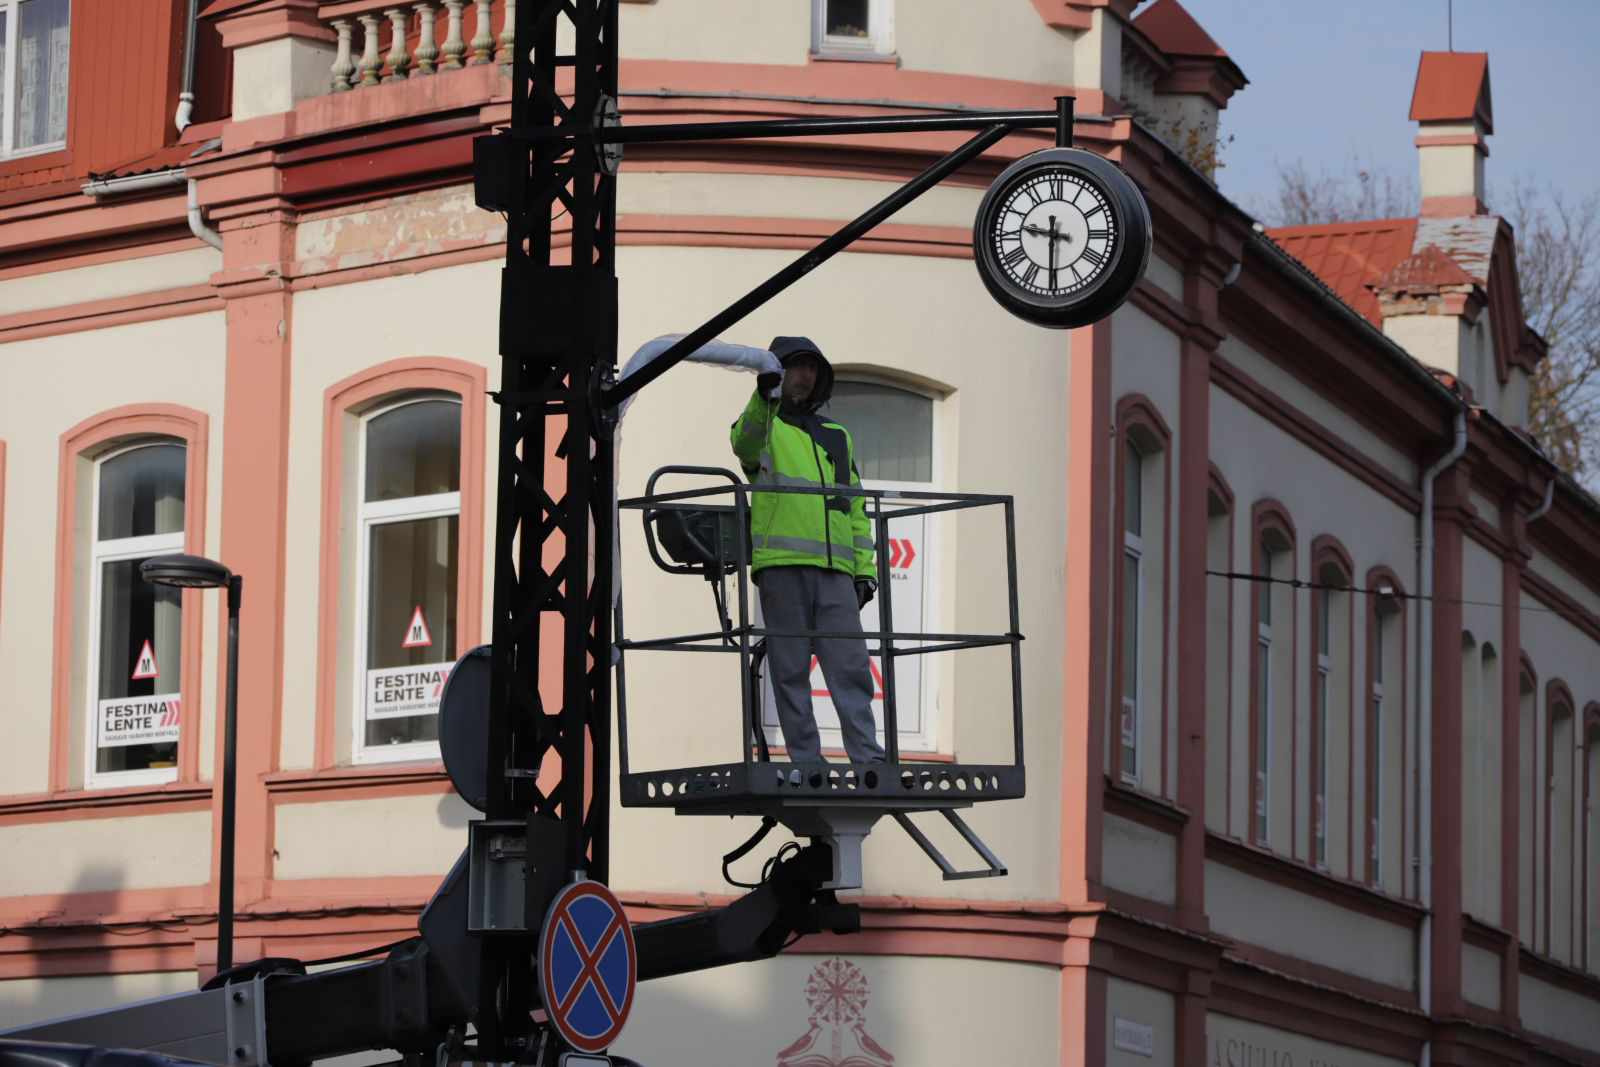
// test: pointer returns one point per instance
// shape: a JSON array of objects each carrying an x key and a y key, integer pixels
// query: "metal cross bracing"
[{"x": 557, "y": 344}]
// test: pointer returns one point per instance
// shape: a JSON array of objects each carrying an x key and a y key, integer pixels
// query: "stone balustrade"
[{"x": 423, "y": 38}]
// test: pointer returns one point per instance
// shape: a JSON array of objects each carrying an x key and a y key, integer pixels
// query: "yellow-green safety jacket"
[{"x": 779, "y": 446}]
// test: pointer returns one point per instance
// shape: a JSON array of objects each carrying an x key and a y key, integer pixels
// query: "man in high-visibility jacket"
[{"x": 811, "y": 552}]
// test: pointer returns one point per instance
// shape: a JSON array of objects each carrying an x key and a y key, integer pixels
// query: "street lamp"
[{"x": 197, "y": 572}]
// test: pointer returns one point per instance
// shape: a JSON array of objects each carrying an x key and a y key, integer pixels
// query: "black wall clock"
[{"x": 1062, "y": 237}]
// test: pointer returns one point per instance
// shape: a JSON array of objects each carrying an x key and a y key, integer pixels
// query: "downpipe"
[{"x": 1425, "y": 724}]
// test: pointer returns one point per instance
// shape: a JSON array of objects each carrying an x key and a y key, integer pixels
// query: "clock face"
[
  {"x": 1062, "y": 237},
  {"x": 1054, "y": 232}
]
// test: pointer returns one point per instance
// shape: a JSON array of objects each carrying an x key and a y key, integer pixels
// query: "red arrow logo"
[{"x": 910, "y": 554}]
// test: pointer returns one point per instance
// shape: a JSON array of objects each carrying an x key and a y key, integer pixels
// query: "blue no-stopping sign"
[{"x": 588, "y": 966}]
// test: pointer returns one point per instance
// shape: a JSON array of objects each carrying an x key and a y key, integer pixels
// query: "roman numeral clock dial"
[{"x": 1062, "y": 237}]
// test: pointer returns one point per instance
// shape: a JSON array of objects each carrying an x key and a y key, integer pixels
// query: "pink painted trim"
[
  {"x": 1087, "y": 599},
  {"x": 282, "y": 18},
  {"x": 119, "y": 254},
  {"x": 133, "y": 420},
  {"x": 72, "y": 805},
  {"x": 1217, "y": 485},
  {"x": 116, "y": 311},
  {"x": 468, "y": 381}
]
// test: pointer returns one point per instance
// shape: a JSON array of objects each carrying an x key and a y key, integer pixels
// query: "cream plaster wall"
[
  {"x": 783, "y": 196},
  {"x": 1165, "y": 276},
  {"x": 1130, "y": 1002},
  {"x": 720, "y": 31},
  {"x": 1232, "y": 1042},
  {"x": 1258, "y": 912},
  {"x": 1139, "y": 860},
  {"x": 1454, "y": 169},
  {"x": 391, "y": 837},
  {"x": 1480, "y": 976},
  {"x": 1557, "y": 1012},
  {"x": 270, "y": 76},
  {"x": 31, "y": 1000},
  {"x": 1441, "y": 341},
  {"x": 1009, "y": 1012},
  {"x": 1557, "y": 648},
  {"x": 338, "y": 331},
  {"x": 90, "y": 855},
  {"x": 169, "y": 361},
  {"x": 106, "y": 281},
  {"x": 867, "y": 314}
]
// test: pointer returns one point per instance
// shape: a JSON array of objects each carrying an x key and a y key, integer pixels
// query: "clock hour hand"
[{"x": 1053, "y": 233}]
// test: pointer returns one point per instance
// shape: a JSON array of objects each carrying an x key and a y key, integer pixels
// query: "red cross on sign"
[{"x": 588, "y": 966}]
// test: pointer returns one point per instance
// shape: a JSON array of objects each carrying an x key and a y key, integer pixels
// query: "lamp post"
[{"x": 197, "y": 572}]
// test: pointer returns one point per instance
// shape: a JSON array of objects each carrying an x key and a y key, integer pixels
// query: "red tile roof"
[
  {"x": 1348, "y": 256},
  {"x": 1174, "y": 31},
  {"x": 1427, "y": 267},
  {"x": 1453, "y": 87}
]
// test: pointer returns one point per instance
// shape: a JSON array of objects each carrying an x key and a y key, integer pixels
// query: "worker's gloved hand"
[
  {"x": 866, "y": 588},
  {"x": 766, "y": 383}
]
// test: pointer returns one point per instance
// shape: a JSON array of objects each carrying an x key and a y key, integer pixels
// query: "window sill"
[
  {"x": 1293, "y": 874},
  {"x": 1536, "y": 965},
  {"x": 1483, "y": 934},
  {"x": 1158, "y": 813},
  {"x": 126, "y": 800},
  {"x": 356, "y": 779},
  {"x": 839, "y": 55}
]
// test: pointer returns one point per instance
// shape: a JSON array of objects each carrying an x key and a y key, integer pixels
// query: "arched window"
[
  {"x": 1384, "y": 774},
  {"x": 893, "y": 432},
  {"x": 407, "y": 551},
  {"x": 1139, "y": 671},
  {"x": 1272, "y": 678},
  {"x": 1330, "y": 706},
  {"x": 1559, "y": 826},
  {"x": 135, "y": 647},
  {"x": 1219, "y": 656},
  {"x": 1530, "y": 907}
]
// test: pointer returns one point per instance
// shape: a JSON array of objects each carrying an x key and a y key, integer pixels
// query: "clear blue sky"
[{"x": 1331, "y": 79}]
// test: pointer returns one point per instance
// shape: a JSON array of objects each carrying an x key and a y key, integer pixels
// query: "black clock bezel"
[{"x": 1116, "y": 280}]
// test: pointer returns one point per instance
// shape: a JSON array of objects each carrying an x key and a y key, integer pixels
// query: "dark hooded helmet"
[{"x": 787, "y": 348}]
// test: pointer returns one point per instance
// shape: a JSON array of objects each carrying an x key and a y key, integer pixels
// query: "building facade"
[{"x": 1312, "y": 699}]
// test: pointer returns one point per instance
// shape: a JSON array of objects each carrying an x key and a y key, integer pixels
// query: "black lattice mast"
[{"x": 557, "y": 344}]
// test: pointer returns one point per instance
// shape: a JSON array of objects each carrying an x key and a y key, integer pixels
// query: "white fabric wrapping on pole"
[{"x": 715, "y": 353}]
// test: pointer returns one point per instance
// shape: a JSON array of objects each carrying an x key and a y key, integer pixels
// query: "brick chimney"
[{"x": 1451, "y": 108}]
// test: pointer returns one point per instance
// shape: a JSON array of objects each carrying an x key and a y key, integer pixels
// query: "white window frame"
[
  {"x": 115, "y": 550},
  {"x": 926, "y": 740},
  {"x": 369, "y": 516},
  {"x": 1319, "y": 791},
  {"x": 1132, "y": 548},
  {"x": 879, "y": 40},
  {"x": 13, "y": 9},
  {"x": 1261, "y": 827},
  {"x": 1375, "y": 787}
]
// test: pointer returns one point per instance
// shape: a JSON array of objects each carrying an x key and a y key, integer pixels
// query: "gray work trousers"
[{"x": 815, "y": 598}]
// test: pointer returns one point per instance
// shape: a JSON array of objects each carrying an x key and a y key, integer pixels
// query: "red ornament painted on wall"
[{"x": 837, "y": 994}]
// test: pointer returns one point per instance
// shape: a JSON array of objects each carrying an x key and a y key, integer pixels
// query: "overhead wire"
[{"x": 1395, "y": 593}]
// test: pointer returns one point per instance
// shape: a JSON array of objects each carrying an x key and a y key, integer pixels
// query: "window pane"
[
  {"x": 1263, "y": 734},
  {"x": 1132, "y": 489},
  {"x": 892, "y": 430},
  {"x": 141, "y": 492},
  {"x": 847, "y": 18},
  {"x": 132, "y": 613},
  {"x": 1264, "y": 589},
  {"x": 42, "y": 73},
  {"x": 414, "y": 450},
  {"x": 412, "y": 566},
  {"x": 1377, "y": 649},
  {"x": 5, "y": 87},
  {"x": 1320, "y": 816},
  {"x": 1324, "y": 598},
  {"x": 1375, "y": 794},
  {"x": 1130, "y": 626}
]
